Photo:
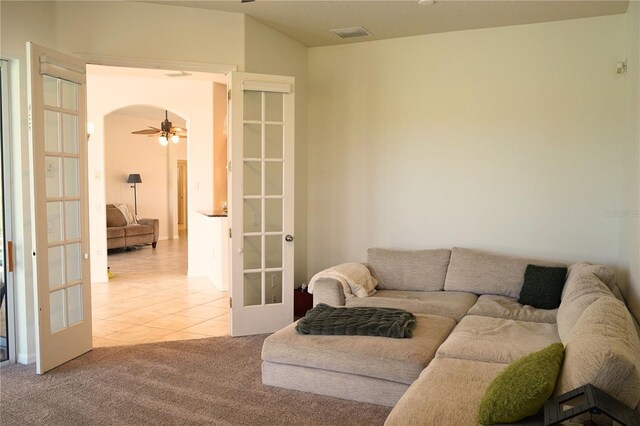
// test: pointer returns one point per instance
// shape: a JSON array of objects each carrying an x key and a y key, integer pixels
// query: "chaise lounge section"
[{"x": 470, "y": 327}]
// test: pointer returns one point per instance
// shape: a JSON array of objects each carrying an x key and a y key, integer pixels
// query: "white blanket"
[
  {"x": 128, "y": 214},
  {"x": 355, "y": 278}
]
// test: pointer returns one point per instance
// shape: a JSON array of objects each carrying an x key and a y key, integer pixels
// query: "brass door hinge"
[
  {"x": 229, "y": 232},
  {"x": 229, "y": 95},
  {"x": 230, "y": 303}
]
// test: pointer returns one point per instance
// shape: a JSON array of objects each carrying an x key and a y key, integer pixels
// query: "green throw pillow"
[{"x": 522, "y": 388}]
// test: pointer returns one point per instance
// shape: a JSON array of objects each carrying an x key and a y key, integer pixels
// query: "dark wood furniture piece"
[{"x": 302, "y": 302}]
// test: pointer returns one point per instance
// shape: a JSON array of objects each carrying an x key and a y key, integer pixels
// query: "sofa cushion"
[
  {"x": 491, "y": 305},
  {"x": 115, "y": 232},
  {"x": 420, "y": 270},
  {"x": 480, "y": 272},
  {"x": 133, "y": 230},
  {"x": 582, "y": 275},
  {"x": 115, "y": 217},
  {"x": 399, "y": 360},
  {"x": 496, "y": 339},
  {"x": 448, "y": 392},
  {"x": 588, "y": 290},
  {"x": 604, "y": 350},
  {"x": 521, "y": 389},
  {"x": 113, "y": 243},
  {"x": 449, "y": 304}
]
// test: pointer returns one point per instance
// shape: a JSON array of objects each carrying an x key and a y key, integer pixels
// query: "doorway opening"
[{"x": 170, "y": 292}]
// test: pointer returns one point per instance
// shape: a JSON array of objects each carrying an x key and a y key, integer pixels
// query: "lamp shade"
[{"x": 134, "y": 178}]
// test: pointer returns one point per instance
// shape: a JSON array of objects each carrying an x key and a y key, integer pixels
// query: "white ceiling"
[
  {"x": 309, "y": 21},
  {"x": 150, "y": 113}
]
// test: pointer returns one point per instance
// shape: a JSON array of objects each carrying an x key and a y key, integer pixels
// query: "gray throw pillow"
[{"x": 543, "y": 286}]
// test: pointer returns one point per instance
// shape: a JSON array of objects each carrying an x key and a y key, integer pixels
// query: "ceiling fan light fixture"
[
  {"x": 166, "y": 131},
  {"x": 426, "y": 2}
]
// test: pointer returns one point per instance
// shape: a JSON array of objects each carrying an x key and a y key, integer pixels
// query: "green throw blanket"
[{"x": 384, "y": 322}]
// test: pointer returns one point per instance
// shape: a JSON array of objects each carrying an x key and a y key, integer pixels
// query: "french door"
[
  {"x": 261, "y": 186},
  {"x": 57, "y": 132}
]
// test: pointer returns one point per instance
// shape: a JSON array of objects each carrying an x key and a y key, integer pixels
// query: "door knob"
[{"x": 288, "y": 238}]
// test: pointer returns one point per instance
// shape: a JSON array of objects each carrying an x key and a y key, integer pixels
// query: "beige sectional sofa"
[
  {"x": 469, "y": 328},
  {"x": 120, "y": 234}
]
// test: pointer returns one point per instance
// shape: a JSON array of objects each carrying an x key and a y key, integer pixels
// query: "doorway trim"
[{"x": 128, "y": 62}]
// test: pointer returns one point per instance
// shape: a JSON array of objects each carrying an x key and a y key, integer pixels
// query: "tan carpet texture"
[{"x": 190, "y": 382}]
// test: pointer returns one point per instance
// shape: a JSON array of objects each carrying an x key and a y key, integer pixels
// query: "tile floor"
[{"x": 150, "y": 299}]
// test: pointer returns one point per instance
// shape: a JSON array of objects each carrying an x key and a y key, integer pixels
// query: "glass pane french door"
[
  {"x": 57, "y": 95},
  {"x": 263, "y": 197},
  {"x": 62, "y": 190},
  {"x": 261, "y": 187}
]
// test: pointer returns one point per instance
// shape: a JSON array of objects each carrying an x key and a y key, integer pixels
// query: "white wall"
[
  {"x": 191, "y": 100},
  {"x": 629, "y": 262},
  {"x": 270, "y": 52},
  {"x": 505, "y": 139},
  {"x": 126, "y": 153}
]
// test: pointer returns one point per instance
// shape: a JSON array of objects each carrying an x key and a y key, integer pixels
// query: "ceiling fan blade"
[
  {"x": 145, "y": 132},
  {"x": 178, "y": 129},
  {"x": 154, "y": 128}
]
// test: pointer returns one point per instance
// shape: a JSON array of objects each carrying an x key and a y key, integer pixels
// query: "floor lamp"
[{"x": 135, "y": 179}]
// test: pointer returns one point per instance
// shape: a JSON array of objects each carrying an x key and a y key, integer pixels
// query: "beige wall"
[
  {"x": 270, "y": 52},
  {"x": 629, "y": 262},
  {"x": 506, "y": 139}
]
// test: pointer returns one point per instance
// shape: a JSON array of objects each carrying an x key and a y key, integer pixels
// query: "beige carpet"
[{"x": 208, "y": 381}]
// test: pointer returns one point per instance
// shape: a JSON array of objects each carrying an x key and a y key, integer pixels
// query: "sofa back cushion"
[
  {"x": 481, "y": 272},
  {"x": 581, "y": 290},
  {"x": 417, "y": 270},
  {"x": 115, "y": 216},
  {"x": 603, "y": 350},
  {"x": 579, "y": 270}
]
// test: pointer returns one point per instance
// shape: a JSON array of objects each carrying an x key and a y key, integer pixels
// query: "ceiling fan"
[{"x": 166, "y": 131}]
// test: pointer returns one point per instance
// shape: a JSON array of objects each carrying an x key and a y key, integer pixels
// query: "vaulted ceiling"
[{"x": 309, "y": 21}]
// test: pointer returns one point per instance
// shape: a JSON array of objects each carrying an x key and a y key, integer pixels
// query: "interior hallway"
[{"x": 150, "y": 299}]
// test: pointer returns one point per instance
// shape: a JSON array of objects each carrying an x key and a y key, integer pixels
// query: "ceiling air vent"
[{"x": 351, "y": 32}]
